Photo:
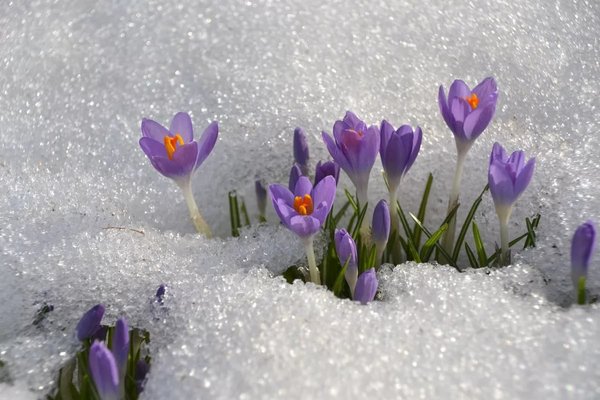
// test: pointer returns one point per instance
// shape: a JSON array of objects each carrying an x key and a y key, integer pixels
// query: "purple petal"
[
  {"x": 345, "y": 248},
  {"x": 458, "y": 89},
  {"x": 103, "y": 369},
  {"x": 386, "y": 132},
  {"x": 501, "y": 184},
  {"x": 89, "y": 323},
  {"x": 524, "y": 177},
  {"x": 207, "y": 142},
  {"x": 396, "y": 156},
  {"x": 152, "y": 148},
  {"x": 321, "y": 211},
  {"x": 366, "y": 286},
  {"x": 353, "y": 122},
  {"x": 335, "y": 153},
  {"x": 301, "y": 154},
  {"x": 459, "y": 109},
  {"x": 368, "y": 150},
  {"x": 416, "y": 146},
  {"x": 182, "y": 164},
  {"x": 325, "y": 192},
  {"x": 285, "y": 211},
  {"x": 498, "y": 153},
  {"x": 120, "y": 343},
  {"x": 444, "y": 109},
  {"x": 278, "y": 191},
  {"x": 182, "y": 124},
  {"x": 154, "y": 130},
  {"x": 303, "y": 186},
  {"x": 477, "y": 120},
  {"x": 329, "y": 168},
  {"x": 486, "y": 88},
  {"x": 381, "y": 223},
  {"x": 304, "y": 225},
  {"x": 295, "y": 173},
  {"x": 582, "y": 248}
]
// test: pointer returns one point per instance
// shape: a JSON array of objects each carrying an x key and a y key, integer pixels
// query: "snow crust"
[{"x": 85, "y": 219}]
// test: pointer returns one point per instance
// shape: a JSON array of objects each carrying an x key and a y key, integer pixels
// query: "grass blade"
[
  {"x": 438, "y": 247},
  {"x": 471, "y": 256},
  {"x": 479, "y": 247},
  {"x": 422, "y": 211},
  {"x": 429, "y": 244},
  {"x": 466, "y": 224}
]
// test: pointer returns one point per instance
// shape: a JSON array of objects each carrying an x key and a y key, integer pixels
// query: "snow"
[{"x": 85, "y": 219}]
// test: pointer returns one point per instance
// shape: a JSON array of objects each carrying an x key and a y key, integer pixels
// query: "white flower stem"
[
  {"x": 201, "y": 225},
  {"x": 504, "y": 216},
  {"x": 448, "y": 242},
  {"x": 312, "y": 263},
  {"x": 395, "y": 226},
  {"x": 363, "y": 198}
]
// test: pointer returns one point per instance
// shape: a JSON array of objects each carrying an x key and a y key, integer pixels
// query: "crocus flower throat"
[
  {"x": 303, "y": 205},
  {"x": 473, "y": 100},
  {"x": 171, "y": 144}
]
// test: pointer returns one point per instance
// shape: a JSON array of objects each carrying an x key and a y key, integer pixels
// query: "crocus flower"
[
  {"x": 366, "y": 286},
  {"x": 301, "y": 150},
  {"x": 175, "y": 154},
  {"x": 105, "y": 374},
  {"x": 160, "y": 293},
  {"x": 120, "y": 345},
  {"x": 381, "y": 227},
  {"x": 582, "y": 248},
  {"x": 345, "y": 248},
  {"x": 325, "y": 169},
  {"x": 398, "y": 150},
  {"x": 354, "y": 147},
  {"x": 89, "y": 324},
  {"x": 467, "y": 113},
  {"x": 304, "y": 211},
  {"x": 141, "y": 370},
  {"x": 261, "y": 199},
  {"x": 507, "y": 177},
  {"x": 295, "y": 173}
]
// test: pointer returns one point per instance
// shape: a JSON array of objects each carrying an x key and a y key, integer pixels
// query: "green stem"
[
  {"x": 396, "y": 248},
  {"x": 201, "y": 225},
  {"x": 581, "y": 291},
  {"x": 312, "y": 263}
]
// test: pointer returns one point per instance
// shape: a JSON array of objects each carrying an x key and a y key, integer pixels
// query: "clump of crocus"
[
  {"x": 89, "y": 324},
  {"x": 398, "y": 150},
  {"x": 582, "y": 248},
  {"x": 380, "y": 231},
  {"x": 345, "y": 248},
  {"x": 261, "y": 200},
  {"x": 366, "y": 286},
  {"x": 104, "y": 371},
  {"x": 354, "y": 147},
  {"x": 325, "y": 169},
  {"x": 304, "y": 211},
  {"x": 467, "y": 113},
  {"x": 301, "y": 150},
  {"x": 175, "y": 154},
  {"x": 508, "y": 178}
]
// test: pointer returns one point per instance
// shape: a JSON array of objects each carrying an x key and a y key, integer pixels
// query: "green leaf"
[
  {"x": 430, "y": 243},
  {"x": 234, "y": 214},
  {"x": 245, "y": 213},
  {"x": 412, "y": 250},
  {"x": 479, "y": 247},
  {"x": 422, "y": 211},
  {"x": 467, "y": 224},
  {"x": 351, "y": 201},
  {"x": 356, "y": 231},
  {"x": 471, "y": 256},
  {"x": 438, "y": 247},
  {"x": 338, "y": 286},
  {"x": 340, "y": 214}
]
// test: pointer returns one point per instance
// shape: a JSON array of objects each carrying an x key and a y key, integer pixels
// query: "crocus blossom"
[
  {"x": 103, "y": 369},
  {"x": 354, "y": 147},
  {"x": 582, "y": 248},
  {"x": 508, "y": 177},
  {"x": 366, "y": 286},
  {"x": 325, "y": 169},
  {"x": 174, "y": 152},
  {"x": 398, "y": 151},
  {"x": 468, "y": 112},
  {"x": 120, "y": 344},
  {"x": 89, "y": 324},
  {"x": 301, "y": 150},
  {"x": 380, "y": 231},
  {"x": 345, "y": 248}
]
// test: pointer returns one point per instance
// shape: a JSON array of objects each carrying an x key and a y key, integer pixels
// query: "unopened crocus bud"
[
  {"x": 261, "y": 199},
  {"x": 301, "y": 150},
  {"x": 366, "y": 286},
  {"x": 347, "y": 254},
  {"x": 381, "y": 227},
  {"x": 295, "y": 173},
  {"x": 141, "y": 370},
  {"x": 89, "y": 324},
  {"x": 105, "y": 374},
  {"x": 160, "y": 293},
  {"x": 328, "y": 168},
  {"x": 120, "y": 345},
  {"x": 582, "y": 248}
]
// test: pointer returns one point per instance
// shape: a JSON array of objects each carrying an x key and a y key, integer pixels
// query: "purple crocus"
[
  {"x": 327, "y": 168},
  {"x": 120, "y": 345},
  {"x": 366, "y": 286},
  {"x": 398, "y": 150},
  {"x": 141, "y": 370},
  {"x": 301, "y": 150},
  {"x": 103, "y": 369},
  {"x": 380, "y": 231},
  {"x": 508, "y": 177},
  {"x": 89, "y": 324},
  {"x": 468, "y": 112},
  {"x": 582, "y": 248},
  {"x": 345, "y": 248},
  {"x": 295, "y": 173},
  {"x": 304, "y": 211},
  {"x": 160, "y": 293},
  {"x": 175, "y": 154},
  {"x": 354, "y": 147}
]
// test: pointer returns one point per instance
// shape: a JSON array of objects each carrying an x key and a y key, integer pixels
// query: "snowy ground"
[{"x": 76, "y": 79}]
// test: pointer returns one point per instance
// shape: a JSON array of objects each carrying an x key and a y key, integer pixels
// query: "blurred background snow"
[{"x": 85, "y": 219}]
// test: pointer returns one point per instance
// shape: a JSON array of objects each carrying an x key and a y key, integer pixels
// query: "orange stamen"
[
  {"x": 473, "y": 100},
  {"x": 171, "y": 144},
  {"x": 303, "y": 205}
]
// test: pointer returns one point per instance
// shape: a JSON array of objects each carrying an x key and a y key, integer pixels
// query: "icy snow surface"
[{"x": 85, "y": 219}]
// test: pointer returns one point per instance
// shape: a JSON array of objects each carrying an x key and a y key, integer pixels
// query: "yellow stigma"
[
  {"x": 303, "y": 205},
  {"x": 171, "y": 144},
  {"x": 473, "y": 100}
]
